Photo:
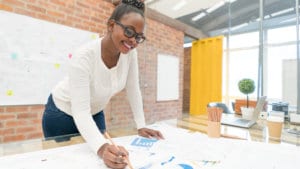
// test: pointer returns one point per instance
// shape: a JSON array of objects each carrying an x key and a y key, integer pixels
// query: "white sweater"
[{"x": 90, "y": 85}]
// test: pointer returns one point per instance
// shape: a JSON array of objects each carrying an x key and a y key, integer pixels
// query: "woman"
[{"x": 98, "y": 71}]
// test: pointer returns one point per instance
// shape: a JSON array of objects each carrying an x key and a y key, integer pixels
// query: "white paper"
[{"x": 180, "y": 149}]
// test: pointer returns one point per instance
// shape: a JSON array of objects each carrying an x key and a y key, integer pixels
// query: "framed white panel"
[
  {"x": 289, "y": 81},
  {"x": 167, "y": 77}
]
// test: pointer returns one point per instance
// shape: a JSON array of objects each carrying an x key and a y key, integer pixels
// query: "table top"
[
  {"x": 290, "y": 132},
  {"x": 258, "y": 133}
]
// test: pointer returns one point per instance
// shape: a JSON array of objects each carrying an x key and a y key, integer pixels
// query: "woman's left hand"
[{"x": 149, "y": 133}]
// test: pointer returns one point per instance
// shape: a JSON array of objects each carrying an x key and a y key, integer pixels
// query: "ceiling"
[
  {"x": 244, "y": 14},
  {"x": 178, "y": 8}
]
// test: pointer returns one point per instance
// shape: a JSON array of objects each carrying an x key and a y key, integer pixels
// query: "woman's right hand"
[{"x": 113, "y": 157}]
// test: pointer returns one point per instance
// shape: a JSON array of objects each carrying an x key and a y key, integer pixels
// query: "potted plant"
[{"x": 246, "y": 86}]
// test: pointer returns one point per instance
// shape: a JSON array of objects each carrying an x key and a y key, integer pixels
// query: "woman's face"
[{"x": 132, "y": 22}]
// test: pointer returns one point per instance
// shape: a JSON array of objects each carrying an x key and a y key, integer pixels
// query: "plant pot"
[
  {"x": 242, "y": 103},
  {"x": 247, "y": 112}
]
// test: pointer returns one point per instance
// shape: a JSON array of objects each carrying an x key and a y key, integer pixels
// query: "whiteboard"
[
  {"x": 167, "y": 77},
  {"x": 34, "y": 56},
  {"x": 289, "y": 81}
]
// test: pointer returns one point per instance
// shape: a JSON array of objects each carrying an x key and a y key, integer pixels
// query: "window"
[{"x": 278, "y": 50}]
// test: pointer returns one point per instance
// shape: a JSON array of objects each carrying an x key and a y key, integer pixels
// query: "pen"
[{"x": 112, "y": 142}]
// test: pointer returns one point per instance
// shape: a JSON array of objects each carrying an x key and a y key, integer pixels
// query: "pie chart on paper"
[{"x": 185, "y": 166}]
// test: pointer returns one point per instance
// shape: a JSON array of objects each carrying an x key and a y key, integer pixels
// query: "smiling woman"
[{"x": 98, "y": 71}]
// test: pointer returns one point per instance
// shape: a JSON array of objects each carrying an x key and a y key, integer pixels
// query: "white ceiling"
[{"x": 178, "y": 8}]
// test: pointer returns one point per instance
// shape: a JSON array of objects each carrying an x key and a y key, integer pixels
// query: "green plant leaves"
[{"x": 246, "y": 86}]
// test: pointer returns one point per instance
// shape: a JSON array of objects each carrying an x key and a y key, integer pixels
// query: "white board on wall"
[
  {"x": 289, "y": 81},
  {"x": 34, "y": 56},
  {"x": 167, "y": 77}
]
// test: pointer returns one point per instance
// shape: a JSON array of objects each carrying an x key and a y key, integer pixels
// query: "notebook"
[{"x": 239, "y": 122}]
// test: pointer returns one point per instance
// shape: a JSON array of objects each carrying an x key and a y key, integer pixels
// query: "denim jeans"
[{"x": 57, "y": 123}]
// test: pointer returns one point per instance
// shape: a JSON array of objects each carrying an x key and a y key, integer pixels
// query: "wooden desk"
[{"x": 258, "y": 132}]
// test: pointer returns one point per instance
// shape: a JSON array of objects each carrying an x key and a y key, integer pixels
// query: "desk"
[
  {"x": 258, "y": 132},
  {"x": 60, "y": 141},
  {"x": 228, "y": 153}
]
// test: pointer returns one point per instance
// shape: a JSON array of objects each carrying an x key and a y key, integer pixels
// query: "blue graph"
[
  {"x": 185, "y": 166},
  {"x": 143, "y": 142}
]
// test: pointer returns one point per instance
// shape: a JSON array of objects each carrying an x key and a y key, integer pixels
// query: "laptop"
[{"x": 240, "y": 122}]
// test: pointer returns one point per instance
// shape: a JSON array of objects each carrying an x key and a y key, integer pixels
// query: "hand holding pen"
[{"x": 114, "y": 156}]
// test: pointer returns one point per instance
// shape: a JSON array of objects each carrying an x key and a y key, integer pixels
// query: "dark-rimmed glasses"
[{"x": 130, "y": 33}]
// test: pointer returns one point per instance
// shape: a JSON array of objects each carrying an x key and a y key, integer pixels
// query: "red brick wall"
[
  {"x": 186, "y": 80},
  {"x": 24, "y": 122},
  {"x": 20, "y": 123}
]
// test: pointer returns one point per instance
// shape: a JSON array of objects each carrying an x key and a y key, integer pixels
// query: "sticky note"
[
  {"x": 14, "y": 55},
  {"x": 9, "y": 92},
  {"x": 94, "y": 36},
  {"x": 57, "y": 65}
]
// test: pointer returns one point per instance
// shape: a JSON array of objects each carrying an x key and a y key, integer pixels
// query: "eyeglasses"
[{"x": 130, "y": 33}]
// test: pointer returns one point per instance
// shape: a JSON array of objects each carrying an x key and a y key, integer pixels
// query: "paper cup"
[
  {"x": 275, "y": 124},
  {"x": 213, "y": 129}
]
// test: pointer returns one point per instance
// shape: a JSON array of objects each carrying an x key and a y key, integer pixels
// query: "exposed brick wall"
[
  {"x": 24, "y": 122},
  {"x": 164, "y": 40},
  {"x": 186, "y": 80},
  {"x": 89, "y": 15},
  {"x": 20, "y": 123}
]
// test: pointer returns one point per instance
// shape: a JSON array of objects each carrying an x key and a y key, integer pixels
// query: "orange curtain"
[{"x": 206, "y": 73}]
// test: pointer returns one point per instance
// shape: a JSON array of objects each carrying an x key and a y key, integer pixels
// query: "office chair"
[{"x": 220, "y": 105}]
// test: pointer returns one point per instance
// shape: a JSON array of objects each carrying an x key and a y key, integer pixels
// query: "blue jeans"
[{"x": 57, "y": 123}]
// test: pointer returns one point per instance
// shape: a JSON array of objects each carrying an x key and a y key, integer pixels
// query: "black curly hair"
[{"x": 126, "y": 7}]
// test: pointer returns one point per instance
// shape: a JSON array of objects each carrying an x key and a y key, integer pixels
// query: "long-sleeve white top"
[{"x": 89, "y": 86}]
